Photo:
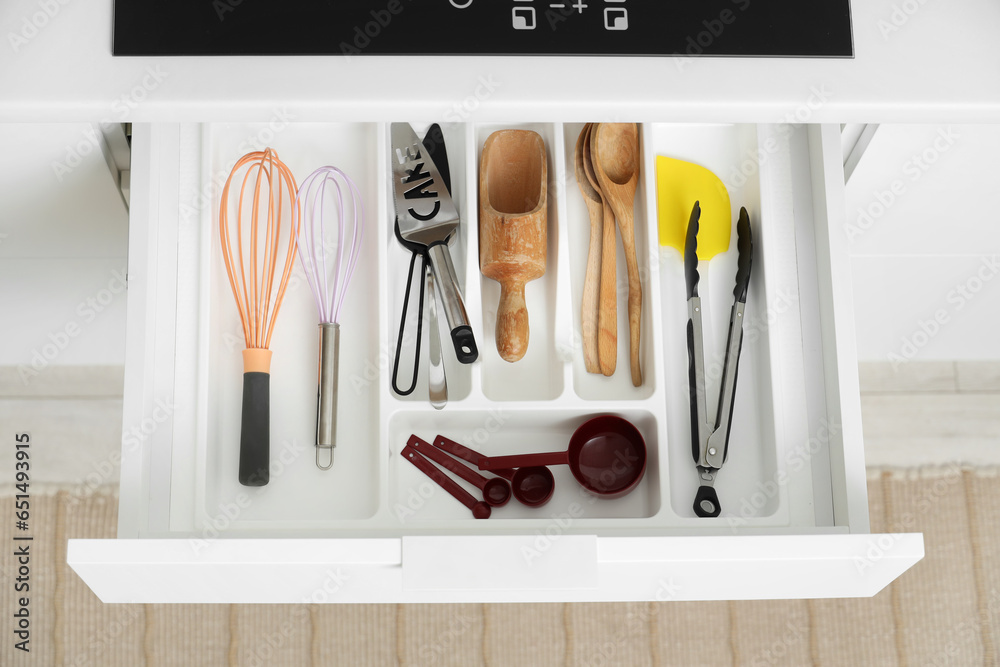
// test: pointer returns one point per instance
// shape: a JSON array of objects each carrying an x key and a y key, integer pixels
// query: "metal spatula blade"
[{"x": 426, "y": 213}]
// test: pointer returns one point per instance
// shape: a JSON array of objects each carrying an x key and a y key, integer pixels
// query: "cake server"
[{"x": 427, "y": 216}]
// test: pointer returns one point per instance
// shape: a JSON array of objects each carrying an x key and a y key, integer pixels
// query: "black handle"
[
  {"x": 693, "y": 392},
  {"x": 465, "y": 344},
  {"x": 255, "y": 435},
  {"x": 706, "y": 502},
  {"x": 401, "y": 338}
]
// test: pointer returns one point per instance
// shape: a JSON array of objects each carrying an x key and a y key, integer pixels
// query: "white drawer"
[{"x": 795, "y": 510}]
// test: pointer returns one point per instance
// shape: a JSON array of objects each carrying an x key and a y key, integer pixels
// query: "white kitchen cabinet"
[
  {"x": 336, "y": 538},
  {"x": 793, "y": 492},
  {"x": 921, "y": 295}
]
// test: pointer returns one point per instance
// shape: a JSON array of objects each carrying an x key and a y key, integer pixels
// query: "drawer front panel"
[{"x": 523, "y": 569}]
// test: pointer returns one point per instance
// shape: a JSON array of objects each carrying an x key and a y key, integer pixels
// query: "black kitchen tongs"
[{"x": 710, "y": 443}]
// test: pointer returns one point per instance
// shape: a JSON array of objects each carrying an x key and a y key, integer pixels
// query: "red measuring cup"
[
  {"x": 496, "y": 490},
  {"x": 480, "y": 509},
  {"x": 607, "y": 456},
  {"x": 532, "y": 485}
]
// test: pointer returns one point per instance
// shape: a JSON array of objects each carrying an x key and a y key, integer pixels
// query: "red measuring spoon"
[
  {"x": 496, "y": 490},
  {"x": 480, "y": 510},
  {"x": 532, "y": 485},
  {"x": 607, "y": 456}
]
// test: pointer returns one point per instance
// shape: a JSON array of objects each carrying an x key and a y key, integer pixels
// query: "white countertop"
[{"x": 939, "y": 62}]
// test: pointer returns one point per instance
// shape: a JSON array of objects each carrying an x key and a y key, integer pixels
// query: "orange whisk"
[{"x": 266, "y": 186}]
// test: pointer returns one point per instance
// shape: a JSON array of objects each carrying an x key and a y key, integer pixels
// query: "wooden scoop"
[
  {"x": 616, "y": 163},
  {"x": 513, "y": 202}
]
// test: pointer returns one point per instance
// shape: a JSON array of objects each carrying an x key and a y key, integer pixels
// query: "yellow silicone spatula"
[{"x": 679, "y": 185}]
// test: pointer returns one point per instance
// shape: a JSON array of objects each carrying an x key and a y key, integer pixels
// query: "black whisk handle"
[{"x": 255, "y": 435}]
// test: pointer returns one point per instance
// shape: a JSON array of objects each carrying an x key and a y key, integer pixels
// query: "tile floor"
[{"x": 931, "y": 413}]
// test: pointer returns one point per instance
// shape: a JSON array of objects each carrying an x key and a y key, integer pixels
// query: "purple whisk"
[{"x": 329, "y": 278}]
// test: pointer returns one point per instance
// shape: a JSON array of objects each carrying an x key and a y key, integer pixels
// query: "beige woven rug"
[{"x": 945, "y": 611}]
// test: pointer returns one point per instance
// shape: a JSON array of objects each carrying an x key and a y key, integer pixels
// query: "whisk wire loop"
[
  {"x": 357, "y": 236},
  {"x": 258, "y": 310},
  {"x": 329, "y": 287}
]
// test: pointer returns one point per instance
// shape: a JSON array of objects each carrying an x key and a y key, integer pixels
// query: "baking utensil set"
[{"x": 266, "y": 220}]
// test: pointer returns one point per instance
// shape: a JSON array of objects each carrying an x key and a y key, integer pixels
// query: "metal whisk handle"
[{"x": 326, "y": 399}]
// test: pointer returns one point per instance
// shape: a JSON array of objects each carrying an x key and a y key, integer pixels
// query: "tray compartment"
[
  {"x": 297, "y": 488},
  {"x": 748, "y": 485},
  {"x": 539, "y": 375},
  {"x": 503, "y": 431},
  {"x": 576, "y": 223}
]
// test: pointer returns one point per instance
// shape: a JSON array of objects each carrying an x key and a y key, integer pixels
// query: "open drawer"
[{"x": 372, "y": 529}]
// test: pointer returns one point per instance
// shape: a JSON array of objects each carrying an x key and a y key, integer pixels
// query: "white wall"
[
  {"x": 926, "y": 285},
  {"x": 63, "y": 234}
]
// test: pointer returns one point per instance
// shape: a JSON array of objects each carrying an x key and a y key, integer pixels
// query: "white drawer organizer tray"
[{"x": 374, "y": 529}]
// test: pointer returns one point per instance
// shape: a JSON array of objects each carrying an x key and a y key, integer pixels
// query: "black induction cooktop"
[{"x": 752, "y": 28}]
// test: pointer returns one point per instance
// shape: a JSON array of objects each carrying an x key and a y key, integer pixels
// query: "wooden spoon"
[
  {"x": 616, "y": 163},
  {"x": 607, "y": 310},
  {"x": 595, "y": 206}
]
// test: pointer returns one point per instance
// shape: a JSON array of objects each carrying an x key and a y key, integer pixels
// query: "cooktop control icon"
[
  {"x": 524, "y": 18},
  {"x": 616, "y": 18}
]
